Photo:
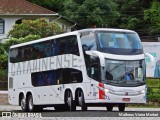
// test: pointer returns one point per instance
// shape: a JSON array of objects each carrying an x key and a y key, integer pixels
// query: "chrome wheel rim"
[
  {"x": 23, "y": 103},
  {"x": 30, "y": 103}
]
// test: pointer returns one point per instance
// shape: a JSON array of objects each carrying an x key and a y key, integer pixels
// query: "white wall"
[
  {"x": 62, "y": 23},
  {"x": 9, "y": 22}
]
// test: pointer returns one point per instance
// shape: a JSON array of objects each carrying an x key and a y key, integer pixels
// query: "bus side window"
[
  {"x": 88, "y": 40},
  {"x": 94, "y": 68},
  {"x": 62, "y": 46},
  {"x": 53, "y": 47},
  {"x": 72, "y": 45},
  {"x": 13, "y": 55},
  {"x": 57, "y": 47}
]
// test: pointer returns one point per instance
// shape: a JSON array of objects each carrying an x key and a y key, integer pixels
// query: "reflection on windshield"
[
  {"x": 124, "y": 70},
  {"x": 119, "y": 42}
]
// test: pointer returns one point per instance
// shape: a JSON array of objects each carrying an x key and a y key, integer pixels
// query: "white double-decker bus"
[{"x": 90, "y": 67}]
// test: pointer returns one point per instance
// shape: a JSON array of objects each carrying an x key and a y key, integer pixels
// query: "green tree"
[
  {"x": 35, "y": 27},
  {"x": 152, "y": 17},
  {"x": 131, "y": 14},
  {"x": 91, "y": 12},
  {"x": 27, "y": 31},
  {"x": 54, "y": 5}
]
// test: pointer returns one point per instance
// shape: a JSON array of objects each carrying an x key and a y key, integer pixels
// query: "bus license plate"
[{"x": 126, "y": 99}]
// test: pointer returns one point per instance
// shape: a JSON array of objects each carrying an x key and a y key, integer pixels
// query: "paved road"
[{"x": 93, "y": 113}]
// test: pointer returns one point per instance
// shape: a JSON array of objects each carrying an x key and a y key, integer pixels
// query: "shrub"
[
  {"x": 35, "y": 27},
  {"x": 5, "y": 47},
  {"x": 4, "y": 75}
]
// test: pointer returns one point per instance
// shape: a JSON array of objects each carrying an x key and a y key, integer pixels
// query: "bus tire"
[
  {"x": 23, "y": 104},
  {"x": 81, "y": 100},
  {"x": 121, "y": 107},
  {"x": 70, "y": 103},
  {"x": 109, "y": 107},
  {"x": 31, "y": 106}
]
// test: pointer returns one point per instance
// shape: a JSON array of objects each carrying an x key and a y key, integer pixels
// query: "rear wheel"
[
  {"x": 121, "y": 106},
  {"x": 31, "y": 106},
  {"x": 70, "y": 103},
  {"x": 81, "y": 100},
  {"x": 23, "y": 104}
]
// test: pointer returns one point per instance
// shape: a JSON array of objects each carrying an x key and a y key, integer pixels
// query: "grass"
[
  {"x": 153, "y": 82},
  {"x": 143, "y": 106}
]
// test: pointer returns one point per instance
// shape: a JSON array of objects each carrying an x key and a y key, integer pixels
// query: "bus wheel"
[
  {"x": 109, "y": 107},
  {"x": 81, "y": 100},
  {"x": 121, "y": 106},
  {"x": 23, "y": 104},
  {"x": 70, "y": 102},
  {"x": 31, "y": 106}
]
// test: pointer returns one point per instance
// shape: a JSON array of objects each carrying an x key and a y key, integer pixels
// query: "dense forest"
[{"x": 142, "y": 16}]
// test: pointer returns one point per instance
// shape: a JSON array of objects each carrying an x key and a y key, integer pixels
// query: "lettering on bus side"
[{"x": 44, "y": 64}]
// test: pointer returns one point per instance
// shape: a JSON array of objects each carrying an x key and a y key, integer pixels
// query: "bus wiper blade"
[
  {"x": 139, "y": 81},
  {"x": 122, "y": 81}
]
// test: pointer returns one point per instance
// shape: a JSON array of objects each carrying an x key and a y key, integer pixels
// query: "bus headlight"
[
  {"x": 106, "y": 90},
  {"x": 109, "y": 90},
  {"x": 142, "y": 91}
]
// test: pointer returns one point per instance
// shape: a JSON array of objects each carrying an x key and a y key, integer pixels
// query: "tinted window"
[
  {"x": 55, "y": 77},
  {"x": 67, "y": 45},
  {"x": 93, "y": 68},
  {"x": 64, "y": 45}
]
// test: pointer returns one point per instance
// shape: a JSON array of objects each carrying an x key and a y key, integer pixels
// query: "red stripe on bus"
[{"x": 101, "y": 92}]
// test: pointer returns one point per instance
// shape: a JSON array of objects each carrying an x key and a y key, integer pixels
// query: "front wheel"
[
  {"x": 121, "y": 106},
  {"x": 109, "y": 107},
  {"x": 81, "y": 100}
]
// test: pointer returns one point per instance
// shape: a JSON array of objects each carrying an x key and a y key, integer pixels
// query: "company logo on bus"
[{"x": 126, "y": 94}]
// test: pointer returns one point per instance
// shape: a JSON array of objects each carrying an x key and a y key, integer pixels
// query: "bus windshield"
[
  {"x": 124, "y": 71},
  {"x": 121, "y": 43}
]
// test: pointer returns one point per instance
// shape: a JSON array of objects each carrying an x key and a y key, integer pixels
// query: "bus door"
[{"x": 94, "y": 74}]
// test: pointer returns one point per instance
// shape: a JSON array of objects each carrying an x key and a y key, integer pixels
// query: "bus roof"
[{"x": 68, "y": 34}]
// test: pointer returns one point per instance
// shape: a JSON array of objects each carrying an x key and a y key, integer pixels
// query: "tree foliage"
[
  {"x": 35, "y": 27},
  {"x": 4, "y": 47},
  {"x": 91, "y": 12},
  {"x": 131, "y": 14},
  {"x": 152, "y": 17},
  {"x": 54, "y": 5},
  {"x": 27, "y": 31},
  {"x": 138, "y": 15}
]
